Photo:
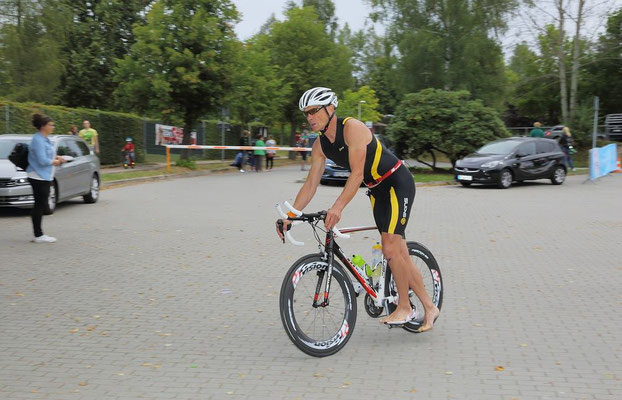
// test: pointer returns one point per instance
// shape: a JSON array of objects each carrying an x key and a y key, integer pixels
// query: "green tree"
[
  {"x": 260, "y": 93},
  {"x": 534, "y": 89},
  {"x": 448, "y": 122},
  {"x": 349, "y": 104},
  {"x": 605, "y": 72},
  {"x": 31, "y": 61},
  {"x": 306, "y": 57},
  {"x": 448, "y": 44},
  {"x": 325, "y": 9},
  {"x": 99, "y": 31},
  {"x": 180, "y": 67}
]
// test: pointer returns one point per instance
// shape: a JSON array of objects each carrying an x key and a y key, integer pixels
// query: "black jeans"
[
  {"x": 41, "y": 192},
  {"x": 269, "y": 162}
]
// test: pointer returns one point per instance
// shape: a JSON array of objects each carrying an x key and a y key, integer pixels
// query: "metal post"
[
  {"x": 595, "y": 121},
  {"x": 222, "y": 140},
  {"x": 225, "y": 116},
  {"x": 360, "y": 102},
  {"x": 145, "y": 143},
  {"x": 168, "y": 160}
]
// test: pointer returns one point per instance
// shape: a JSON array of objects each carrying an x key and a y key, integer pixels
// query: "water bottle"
[
  {"x": 376, "y": 254},
  {"x": 375, "y": 270}
]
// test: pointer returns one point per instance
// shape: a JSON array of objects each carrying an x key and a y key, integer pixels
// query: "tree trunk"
[
  {"x": 575, "y": 64},
  {"x": 563, "y": 86}
]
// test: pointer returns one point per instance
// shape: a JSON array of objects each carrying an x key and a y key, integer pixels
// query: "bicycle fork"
[{"x": 330, "y": 257}]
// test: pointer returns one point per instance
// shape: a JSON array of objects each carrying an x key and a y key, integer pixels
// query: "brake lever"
[{"x": 279, "y": 223}]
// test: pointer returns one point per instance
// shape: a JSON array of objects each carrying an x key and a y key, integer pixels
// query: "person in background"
[
  {"x": 303, "y": 142},
  {"x": 270, "y": 154},
  {"x": 259, "y": 154},
  {"x": 73, "y": 131},
  {"x": 90, "y": 136},
  {"x": 565, "y": 142},
  {"x": 536, "y": 131},
  {"x": 250, "y": 153},
  {"x": 238, "y": 162},
  {"x": 41, "y": 163},
  {"x": 129, "y": 148}
]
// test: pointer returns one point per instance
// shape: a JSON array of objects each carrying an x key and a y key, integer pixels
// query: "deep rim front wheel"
[{"x": 317, "y": 331}]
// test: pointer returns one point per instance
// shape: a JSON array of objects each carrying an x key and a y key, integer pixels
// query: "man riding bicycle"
[{"x": 350, "y": 144}]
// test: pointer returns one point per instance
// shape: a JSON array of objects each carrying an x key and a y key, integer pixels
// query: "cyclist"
[
  {"x": 350, "y": 144},
  {"x": 128, "y": 149}
]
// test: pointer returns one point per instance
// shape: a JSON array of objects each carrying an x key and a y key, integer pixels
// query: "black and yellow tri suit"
[{"x": 392, "y": 198}]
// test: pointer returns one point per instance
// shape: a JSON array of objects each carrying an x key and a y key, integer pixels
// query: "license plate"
[
  {"x": 341, "y": 174},
  {"x": 465, "y": 178}
]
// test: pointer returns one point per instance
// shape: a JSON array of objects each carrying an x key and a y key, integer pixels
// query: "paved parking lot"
[{"x": 170, "y": 290}]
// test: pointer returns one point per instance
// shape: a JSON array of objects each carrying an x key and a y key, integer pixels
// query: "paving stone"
[{"x": 170, "y": 290}]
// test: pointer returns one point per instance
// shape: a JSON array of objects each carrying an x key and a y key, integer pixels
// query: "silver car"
[{"x": 78, "y": 177}]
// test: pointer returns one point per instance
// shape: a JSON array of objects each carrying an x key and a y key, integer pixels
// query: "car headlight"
[
  {"x": 20, "y": 181},
  {"x": 491, "y": 164}
]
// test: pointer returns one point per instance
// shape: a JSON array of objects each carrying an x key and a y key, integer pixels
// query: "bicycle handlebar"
[{"x": 300, "y": 218}]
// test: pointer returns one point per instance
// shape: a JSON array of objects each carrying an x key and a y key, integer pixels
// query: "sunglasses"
[{"x": 313, "y": 111}]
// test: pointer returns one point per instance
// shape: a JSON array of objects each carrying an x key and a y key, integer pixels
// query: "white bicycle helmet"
[{"x": 317, "y": 96}]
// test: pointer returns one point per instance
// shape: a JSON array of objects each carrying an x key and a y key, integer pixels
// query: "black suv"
[{"x": 513, "y": 159}]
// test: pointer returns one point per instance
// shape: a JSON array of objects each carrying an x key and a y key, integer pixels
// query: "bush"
[
  {"x": 448, "y": 122},
  {"x": 112, "y": 127},
  {"x": 186, "y": 163}
]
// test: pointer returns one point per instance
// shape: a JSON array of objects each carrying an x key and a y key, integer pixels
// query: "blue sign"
[{"x": 602, "y": 161}]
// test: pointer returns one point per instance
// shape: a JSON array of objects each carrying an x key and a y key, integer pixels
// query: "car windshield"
[
  {"x": 7, "y": 145},
  {"x": 501, "y": 147}
]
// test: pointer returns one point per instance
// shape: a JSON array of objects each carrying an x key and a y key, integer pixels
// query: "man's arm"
[
  {"x": 96, "y": 142},
  {"x": 308, "y": 189},
  {"x": 357, "y": 136}
]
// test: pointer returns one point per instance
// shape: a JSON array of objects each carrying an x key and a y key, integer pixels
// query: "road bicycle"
[{"x": 318, "y": 317}]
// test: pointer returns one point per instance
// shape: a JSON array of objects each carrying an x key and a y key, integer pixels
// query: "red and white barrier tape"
[{"x": 206, "y": 147}]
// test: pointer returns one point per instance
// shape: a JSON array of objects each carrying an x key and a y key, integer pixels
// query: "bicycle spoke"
[{"x": 309, "y": 319}]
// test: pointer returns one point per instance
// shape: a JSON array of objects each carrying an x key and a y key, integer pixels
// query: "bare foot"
[
  {"x": 428, "y": 321},
  {"x": 398, "y": 315}
]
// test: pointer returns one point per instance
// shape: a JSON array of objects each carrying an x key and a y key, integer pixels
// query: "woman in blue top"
[{"x": 41, "y": 163}]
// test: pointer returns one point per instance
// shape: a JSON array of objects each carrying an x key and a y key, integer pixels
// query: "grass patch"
[
  {"x": 433, "y": 177},
  {"x": 108, "y": 177},
  {"x": 427, "y": 175},
  {"x": 129, "y": 174}
]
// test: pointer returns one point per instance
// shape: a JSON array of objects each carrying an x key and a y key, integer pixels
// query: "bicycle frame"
[{"x": 331, "y": 248}]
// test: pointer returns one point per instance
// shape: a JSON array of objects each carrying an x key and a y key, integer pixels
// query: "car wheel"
[
  {"x": 559, "y": 175},
  {"x": 52, "y": 199},
  {"x": 93, "y": 195},
  {"x": 465, "y": 184},
  {"x": 505, "y": 179}
]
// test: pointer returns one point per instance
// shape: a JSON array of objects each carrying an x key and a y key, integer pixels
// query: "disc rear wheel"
[{"x": 426, "y": 264}]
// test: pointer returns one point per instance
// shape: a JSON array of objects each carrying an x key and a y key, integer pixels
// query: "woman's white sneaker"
[{"x": 44, "y": 239}]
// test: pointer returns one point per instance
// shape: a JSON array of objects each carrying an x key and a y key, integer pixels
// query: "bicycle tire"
[
  {"x": 288, "y": 302},
  {"x": 433, "y": 283}
]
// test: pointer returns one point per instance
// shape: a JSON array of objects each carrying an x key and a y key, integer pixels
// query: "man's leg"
[
  {"x": 406, "y": 275},
  {"x": 416, "y": 284}
]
